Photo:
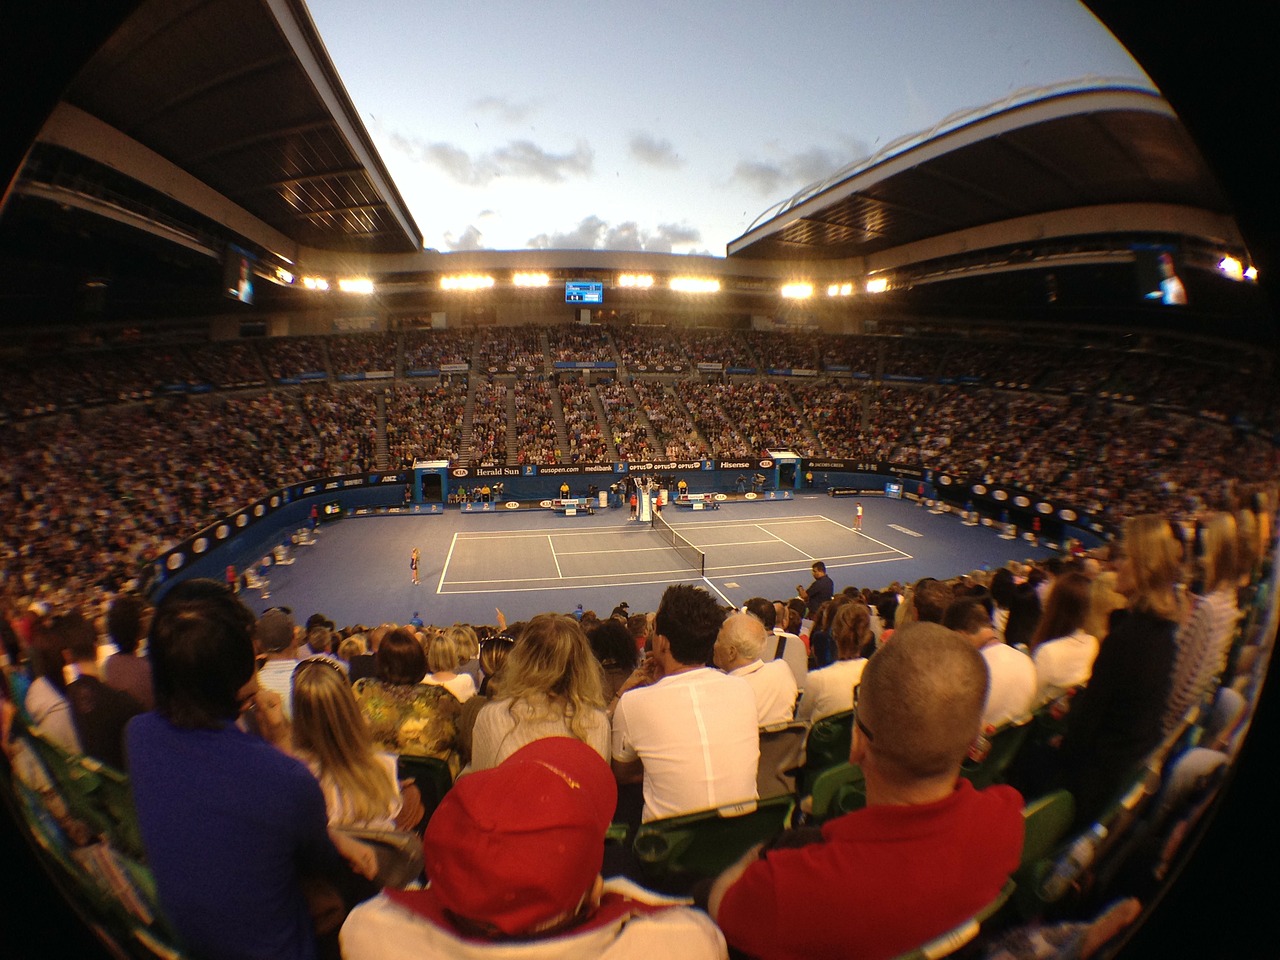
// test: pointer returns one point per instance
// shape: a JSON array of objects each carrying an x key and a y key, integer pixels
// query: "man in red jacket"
[{"x": 927, "y": 852}]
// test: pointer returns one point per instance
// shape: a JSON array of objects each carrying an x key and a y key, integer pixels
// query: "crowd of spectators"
[
  {"x": 290, "y": 357},
  {"x": 676, "y": 434},
  {"x": 535, "y": 421},
  {"x": 743, "y": 418},
  {"x": 717, "y": 346},
  {"x": 514, "y": 349},
  {"x": 784, "y": 351},
  {"x": 426, "y": 422},
  {"x": 650, "y": 347},
  {"x": 430, "y": 349},
  {"x": 627, "y": 422},
  {"x": 345, "y": 420},
  {"x": 353, "y": 353},
  {"x": 489, "y": 418},
  {"x": 552, "y": 728},
  {"x": 582, "y": 426},
  {"x": 230, "y": 363},
  {"x": 579, "y": 344}
]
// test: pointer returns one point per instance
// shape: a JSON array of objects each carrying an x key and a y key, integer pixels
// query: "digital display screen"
[
  {"x": 583, "y": 291},
  {"x": 237, "y": 274}
]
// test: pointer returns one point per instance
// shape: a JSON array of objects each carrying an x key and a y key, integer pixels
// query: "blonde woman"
[
  {"x": 1204, "y": 639},
  {"x": 330, "y": 735},
  {"x": 1116, "y": 720},
  {"x": 551, "y": 686},
  {"x": 443, "y": 662}
]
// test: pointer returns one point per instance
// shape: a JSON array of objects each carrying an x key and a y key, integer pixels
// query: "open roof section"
[
  {"x": 242, "y": 95},
  {"x": 1038, "y": 152}
]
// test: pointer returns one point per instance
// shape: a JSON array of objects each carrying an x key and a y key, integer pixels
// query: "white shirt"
[
  {"x": 697, "y": 736},
  {"x": 830, "y": 690},
  {"x": 1063, "y": 663},
  {"x": 794, "y": 653},
  {"x": 497, "y": 734},
  {"x": 1012, "y": 690},
  {"x": 51, "y": 714},
  {"x": 277, "y": 675},
  {"x": 774, "y": 687},
  {"x": 461, "y": 686},
  {"x": 381, "y": 929}
]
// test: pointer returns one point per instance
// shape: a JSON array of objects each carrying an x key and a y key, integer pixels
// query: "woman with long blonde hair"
[
  {"x": 550, "y": 686},
  {"x": 1117, "y": 719},
  {"x": 1204, "y": 639},
  {"x": 330, "y": 735}
]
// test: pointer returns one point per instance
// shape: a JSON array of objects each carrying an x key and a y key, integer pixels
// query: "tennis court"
[{"x": 529, "y": 561}]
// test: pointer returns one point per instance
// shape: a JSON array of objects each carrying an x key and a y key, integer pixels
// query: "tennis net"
[{"x": 691, "y": 555}]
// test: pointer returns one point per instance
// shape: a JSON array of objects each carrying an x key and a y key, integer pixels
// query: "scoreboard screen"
[{"x": 583, "y": 291}]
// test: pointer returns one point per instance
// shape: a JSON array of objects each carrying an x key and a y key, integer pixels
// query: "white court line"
[
  {"x": 727, "y": 601},
  {"x": 840, "y": 566},
  {"x": 595, "y": 582},
  {"x": 857, "y": 533},
  {"x": 789, "y": 544},
  {"x": 551, "y": 544},
  {"x": 445, "y": 569}
]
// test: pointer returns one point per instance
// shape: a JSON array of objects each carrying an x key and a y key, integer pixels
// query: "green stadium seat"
[
  {"x": 946, "y": 944},
  {"x": 992, "y": 753},
  {"x": 675, "y": 852},
  {"x": 826, "y": 746},
  {"x": 838, "y": 790},
  {"x": 432, "y": 777}
]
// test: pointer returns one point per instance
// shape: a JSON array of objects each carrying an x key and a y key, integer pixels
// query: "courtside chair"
[
  {"x": 826, "y": 746},
  {"x": 676, "y": 852}
]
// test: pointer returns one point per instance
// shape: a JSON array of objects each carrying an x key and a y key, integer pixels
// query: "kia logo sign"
[
  {"x": 460, "y": 472},
  {"x": 766, "y": 463},
  {"x": 512, "y": 505}
]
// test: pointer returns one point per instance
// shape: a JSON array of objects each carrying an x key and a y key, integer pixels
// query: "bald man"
[
  {"x": 738, "y": 652},
  {"x": 928, "y": 850}
]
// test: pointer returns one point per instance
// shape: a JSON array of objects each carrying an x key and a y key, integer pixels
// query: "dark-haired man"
[
  {"x": 231, "y": 825},
  {"x": 817, "y": 593},
  {"x": 685, "y": 730},
  {"x": 928, "y": 850}
]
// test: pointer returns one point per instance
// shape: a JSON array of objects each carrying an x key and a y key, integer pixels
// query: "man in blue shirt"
[{"x": 233, "y": 827}]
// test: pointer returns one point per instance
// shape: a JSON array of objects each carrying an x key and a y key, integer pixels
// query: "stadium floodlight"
[
  {"x": 284, "y": 276},
  {"x": 469, "y": 281},
  {"x": 315, "y": 283},
  {"x": 355, "y": 285},
  {"x": 1251, "y": 273},
  {"x": 797, "y": 291},
  {"x": 530, "y": 279},
  {"x": 694, "y": 285},
  {"x": 1232, "y": 267},
  {"x": 877, "y": 285},
  {"x": 840, "y": 290},
  {"x": 640, "y": 280}
]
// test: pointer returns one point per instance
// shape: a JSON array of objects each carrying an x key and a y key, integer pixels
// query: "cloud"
[
  {"x": 506, "y": 110},
  {"x": 656, "y": 153},
  {"x": 470, "y": 239},
  {"x": 594, "y": 233},
  {"x": 771, "y": 178},
  {"x": 521, "y": 159}
]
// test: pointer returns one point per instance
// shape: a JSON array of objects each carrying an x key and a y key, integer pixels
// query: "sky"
[{"x": 670, "y": 127}]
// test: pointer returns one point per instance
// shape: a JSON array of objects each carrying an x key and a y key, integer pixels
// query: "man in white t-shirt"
[
  {"x": 737, "y": 652},
  {"x": 686, "y": 731},
  {"x": 1012, "y": 688}
]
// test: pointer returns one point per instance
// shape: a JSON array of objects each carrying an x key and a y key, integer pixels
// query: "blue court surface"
[{"x": 533, "y": 561}]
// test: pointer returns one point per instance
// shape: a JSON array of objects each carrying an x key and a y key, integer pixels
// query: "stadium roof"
[
  {"x": 242, "y": 96},
  {"x": 1039, "y": 152}
]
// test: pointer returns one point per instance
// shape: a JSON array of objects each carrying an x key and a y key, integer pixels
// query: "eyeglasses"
[{"x": 857, "y": 719}]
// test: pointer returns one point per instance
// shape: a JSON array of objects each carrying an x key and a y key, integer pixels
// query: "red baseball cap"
[{"x": 519, "y": 845}]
